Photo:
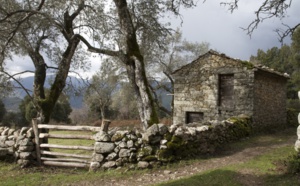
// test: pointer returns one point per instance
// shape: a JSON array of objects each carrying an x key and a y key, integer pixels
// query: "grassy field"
[{"x": 265, "y": 168}]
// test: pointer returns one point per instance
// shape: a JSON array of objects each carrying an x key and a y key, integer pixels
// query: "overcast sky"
[{"x": 214, "y": 24}]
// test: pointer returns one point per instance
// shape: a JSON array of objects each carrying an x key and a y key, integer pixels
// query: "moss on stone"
[
  {"x": 150, "y": 158},
  {"x": 248, "y": 64},
  {"x": 165, "y": 155}
]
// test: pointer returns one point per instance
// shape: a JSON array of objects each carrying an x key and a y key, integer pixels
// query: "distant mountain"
[
  {"x": 12, "y": 103},
  {"x": 76, "y": 100}
]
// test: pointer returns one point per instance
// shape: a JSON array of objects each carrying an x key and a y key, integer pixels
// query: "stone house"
[{"x": 216, "y": 87}]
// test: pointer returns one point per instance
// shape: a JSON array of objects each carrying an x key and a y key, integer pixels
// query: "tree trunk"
[
  {"x": 145, "y": 102},
  {"x": 135, "y": 66}
]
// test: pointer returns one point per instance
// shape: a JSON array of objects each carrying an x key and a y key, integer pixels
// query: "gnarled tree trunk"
[{"x": 135, "y": 67}]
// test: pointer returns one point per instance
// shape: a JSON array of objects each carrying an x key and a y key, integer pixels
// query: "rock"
[
  {"x": 202, "y": 128},
  {"x": 26, "y": 148},
  {"x": 11, "y": 138},
  {"x": 94, "y": 166},
  {"x": 102, "y": 137},
  {"x": 192, "y": 130},
  {"x": 143, "y": 165},
  {"x": 123, "y": 144},
  {"x": 9, "y": 143},
  {"x": 24, "y": 130},
  {"x": 2, "y": 141},
  {"x": 124, "y": 153},
  {"x": 23, "y": 163},
  {"x": 5, "y": 132},
  {"x": 11, "y": 150},
  {"x": 130, "y": 144},
  {"x": 163, "y": 142},
  {"x": 10, "y": 132},
  {"x": 25, "y": 142},
  {"x": 3, "y": 152},
  {"x": 25, "y": 155},
  {"x": 97, "y": 157},
  {"x": 163, "y": 129},
  {"x": 112, "y": 156},
  {"x": 30, "y": 133},
  {"x": 163, "y": 147},
  {"x": 173, "y": 128},
  {"x": 104, "y": 147},
  {"x": 151, "y": 135},
  {"x": 179, "y": 131},
  {"x": 167, "y": 172},
  {"x": 146, "y": 151},
  {"x": 119, "y": 135},
  {"x": 117, "y": 149},
  {"x": 109, "y": 164}
]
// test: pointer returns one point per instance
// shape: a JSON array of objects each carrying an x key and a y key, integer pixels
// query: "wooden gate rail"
[{"x": 70, "y": 160}]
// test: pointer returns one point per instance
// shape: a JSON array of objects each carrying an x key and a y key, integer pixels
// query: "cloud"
[{"x": 213, "y": 23}]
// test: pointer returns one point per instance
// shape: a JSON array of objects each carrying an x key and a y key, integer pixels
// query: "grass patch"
[
  {"x": 209, "y": 178},
  {"x": 70, "y": 142}
]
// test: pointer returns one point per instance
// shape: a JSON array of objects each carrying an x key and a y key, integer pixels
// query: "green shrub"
[
  {"x": 292, "y": 115},
  {"x": 293, "y": 163}
]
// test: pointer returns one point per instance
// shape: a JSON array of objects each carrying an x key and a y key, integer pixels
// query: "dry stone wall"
[
  {"x": 18, "y": 144},
  {"x": 159, "y": 144}
]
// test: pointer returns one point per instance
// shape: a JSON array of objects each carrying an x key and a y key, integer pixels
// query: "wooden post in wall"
[
  {"x": 104, "y": 125},
  {"x": 37, "y": 140}
]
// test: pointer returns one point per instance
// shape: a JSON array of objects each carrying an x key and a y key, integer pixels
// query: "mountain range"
[{"x": 75, "y": 96}]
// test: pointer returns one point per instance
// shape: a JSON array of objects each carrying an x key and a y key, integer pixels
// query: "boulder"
[
  {"x": 104, "y": 147},
  {"x": 124, "y": 153},
  {"x": 94, "y": 166},
  {"x": 97, "y": 157},
  {"x": 112, "y": 156},
  {"x": 119, "y": 135},
  {"x": 109, "y": 164},
  {"x": 143, "y": 165},
  {"x": 163, "y": 129},
  {"x": 102, "y": 137}
]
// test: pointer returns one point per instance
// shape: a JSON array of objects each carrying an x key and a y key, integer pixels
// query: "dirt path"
[{"x": 225, "y": 158}]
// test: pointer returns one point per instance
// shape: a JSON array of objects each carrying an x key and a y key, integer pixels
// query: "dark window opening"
[
  {"x": 192, "y": 117},
  {"x": 226, "y": 90}
]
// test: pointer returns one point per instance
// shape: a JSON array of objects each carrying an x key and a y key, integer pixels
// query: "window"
[
  {"x": 226, "y": 91},
  {"x": 192, "y": 117}
]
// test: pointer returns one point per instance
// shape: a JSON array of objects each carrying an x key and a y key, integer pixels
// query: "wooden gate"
[{"x": 47, "y": 157}]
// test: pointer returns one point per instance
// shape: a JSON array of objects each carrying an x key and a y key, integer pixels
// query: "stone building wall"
[
  {"x": 196, "y": 88},
  {"x": 256, "y": 91},
  {"x": 269, "y": 100}
]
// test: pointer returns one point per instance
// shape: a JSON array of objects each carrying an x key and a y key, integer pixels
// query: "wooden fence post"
[
  {"x": 104, "y": 126},
  {"x": 37, "y": 141}
]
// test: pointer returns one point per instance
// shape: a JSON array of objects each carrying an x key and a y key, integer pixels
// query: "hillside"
[{"x": 76, "y": 101}]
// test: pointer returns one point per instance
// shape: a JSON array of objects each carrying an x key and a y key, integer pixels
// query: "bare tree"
[{"x": 102, "y": 87}]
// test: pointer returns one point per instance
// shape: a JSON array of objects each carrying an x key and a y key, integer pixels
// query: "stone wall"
[
  {"x": 17, "y": 144},
  {"x": 258, "y": 91},
  {"x": 196, "y": 88},
  {"x": 161, "y": 144},
  {"x": 158, "y": 145},
  {"x": 269, "y": 110}
]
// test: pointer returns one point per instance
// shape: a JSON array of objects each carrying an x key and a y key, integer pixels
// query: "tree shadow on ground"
[{"x": 232, "y": 178}]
